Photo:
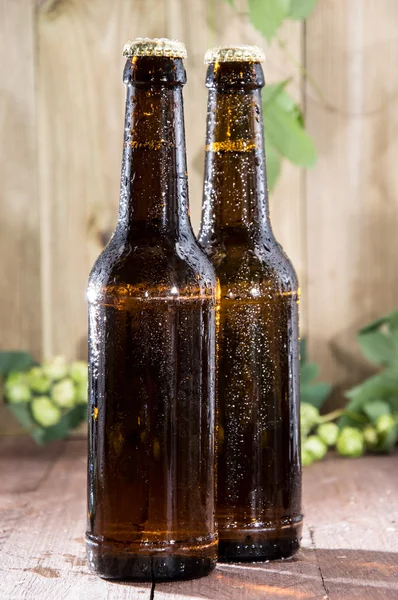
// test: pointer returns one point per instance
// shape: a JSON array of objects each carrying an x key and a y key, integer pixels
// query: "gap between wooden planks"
[{"x": 350, "y": 546}]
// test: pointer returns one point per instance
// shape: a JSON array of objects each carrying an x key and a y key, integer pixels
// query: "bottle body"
[
  {"x": 152, "y": 431},
  {"x": 259, "y": 480},
  {"x": 152, "y": 304},
  {"x": 259, "y": 471}
]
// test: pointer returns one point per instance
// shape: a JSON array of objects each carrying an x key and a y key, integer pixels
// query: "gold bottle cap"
[
  {"x": 155, "y": 47},
  {"x": 234, "y": 54}
]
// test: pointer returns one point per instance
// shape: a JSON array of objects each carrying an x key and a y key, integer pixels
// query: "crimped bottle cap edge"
[
  {"x": 234, "y": 53},
  {"x": 162, "y": 47}
]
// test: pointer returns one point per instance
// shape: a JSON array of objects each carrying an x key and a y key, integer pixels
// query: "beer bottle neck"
[
  {"x": 154, "y": 186},
  {"x": 235, "y": 189}
]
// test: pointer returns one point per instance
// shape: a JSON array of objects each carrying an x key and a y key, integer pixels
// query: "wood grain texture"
[
  {"x": 294, "y": 579},
  {"x": 19, "y": 474},
  {"x": 350, "y": 546},
  {"x": 20, "y": 300},
  {"x": 43, "y": 555},
  {"x": 352, "y": 194},
  {"x": 352, "y": 511},
  {"x": 81, "y": 112}
]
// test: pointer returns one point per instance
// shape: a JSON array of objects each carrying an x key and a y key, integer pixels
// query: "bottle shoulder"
[
  {"x": 152, "y": 267},
  {"x": 264, "y": 262}
]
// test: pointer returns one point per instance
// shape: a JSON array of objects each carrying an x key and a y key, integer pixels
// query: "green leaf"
[
  {"x": 308, "y": 372},
  {"x": 22, "y": 413},
  {"x": 77, "y": 415},
  {"x": 382, "y": 386},
  {"x": 379, "y": 348},
  {"x": 231, "y": 2},
  {"x": 388, "y": 441},
  {"x": 393, "y": 401},
  {"x": 272, "y": 91},
  {"x": 273, "y": 161},
  {"x": 15, "y": 361},
  {"x": 48, "y": 434},
  {"x": 311, "y": 393},
  {"x": 69, "y": 421},
  {"x": 288, "y": 136},
  {"x": 301, "y": 9},
  {"x": 42, "y": 435},
  {"x": 267, "y": 15},
  {"x": 289, "y": 105},
  {"x": 315, "y": 394},
  {"x": 379, "y": 340},
  {"x": 276, "y": 92},
  {"x": 374, "y": 409},
  {"x": 391, "y": 320}
]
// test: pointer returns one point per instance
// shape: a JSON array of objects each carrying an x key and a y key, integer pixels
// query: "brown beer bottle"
[
  {"x": 152, "y": 303},
  {"x": 259, "y": 470}
]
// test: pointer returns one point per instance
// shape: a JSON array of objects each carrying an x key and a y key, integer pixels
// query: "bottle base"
[
  {"x": 124, "y": 562},
  {"x": 240, "y": 545}
]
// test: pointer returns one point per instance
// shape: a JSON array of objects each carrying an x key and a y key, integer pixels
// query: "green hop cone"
[
  {"x": 316, "y": 447},
  {"x": 328, "y": 432},
  {"x": 350, "y": 442},
  {"x": 63, "y": 393},
  {"x": 56, "y": 368},
  {"x": 370, "y": 437},
  {"x": 44, "y": 412},
  {"x": 306, "y": 458},
  {"x": 82, "y": 393},
  {"x": 15, "y": 377},
  {"x": 18, "y": 393},
  {"x": 309, "y": 417},
  {"x": 387, "y": 433},
  {"x": 78, "y": 371},
  {"x": 16, "y": 388},
  {"x": 384, "y": 424},
  {"x": 37, "y": 381}
]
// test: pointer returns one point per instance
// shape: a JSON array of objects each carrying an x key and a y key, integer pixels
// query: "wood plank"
[
  {"x": 360, "y": 495},
  {"x": 349, "y": 550},
  {"x": 351, "y": 510},
  {"x": 298, "y": 578},
  {"x": 352, "y": 194},
  {"x": 44, "y": 556},
  {"x": 19, "y": 473},
  {"x": 20, "y": 305},
  {"x": 81, "y": 112}
]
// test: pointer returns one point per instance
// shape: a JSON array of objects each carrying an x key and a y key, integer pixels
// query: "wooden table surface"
[{"x": 350, "y": 545}]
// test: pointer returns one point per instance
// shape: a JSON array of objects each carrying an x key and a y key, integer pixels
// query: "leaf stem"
[
  {"x": 332, "y": 415},
  {"x": 355, "y": 416}
]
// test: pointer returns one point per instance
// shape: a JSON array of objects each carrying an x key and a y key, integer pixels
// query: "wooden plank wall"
[
  {"x": 61, "y": 115},
  {"x": 351, "y": 197}
]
